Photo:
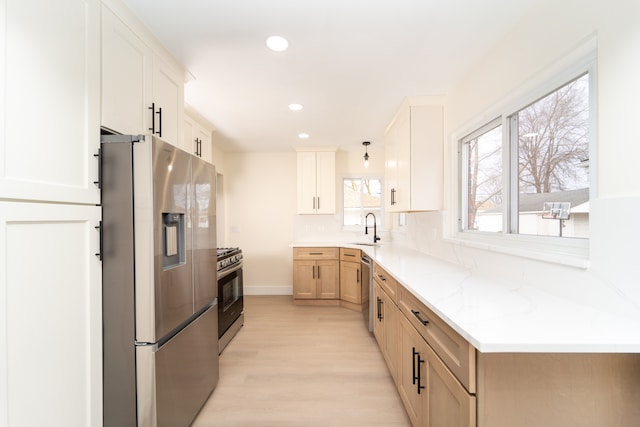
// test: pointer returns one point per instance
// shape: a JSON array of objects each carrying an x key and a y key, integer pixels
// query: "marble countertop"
[{"x": 498, "y": 316}]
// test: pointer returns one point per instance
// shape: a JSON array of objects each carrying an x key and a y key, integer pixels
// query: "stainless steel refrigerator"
[{"x": 160, "y": 319}]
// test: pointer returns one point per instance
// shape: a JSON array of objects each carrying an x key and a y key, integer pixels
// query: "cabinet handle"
[
  {"x": 318, "y": 272},
  {"x": 313, "y": 272},
  {"x": 199, "y": 147},
  {"x": 417, "y": 314},
  {"x": 316, "y": 253},
  {"x": 419, "y": 385},
  {"x": 153, "y": 117},
  {"x": 381, "y": 277},
  {"x": 318, "y": 203},
  {"x": 99, "y": 157},
  {"x": 349, "y": 255},
  {"x": 393, "y": 196},
  {"x": 358, "y": 276},
  {"x": 100, "y": 231},
  {"x": 413, "y": 364},
  {"x": 380, "y": 316}
]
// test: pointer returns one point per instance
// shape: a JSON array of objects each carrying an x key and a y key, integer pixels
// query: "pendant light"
[{"x": 366, "y": 154}]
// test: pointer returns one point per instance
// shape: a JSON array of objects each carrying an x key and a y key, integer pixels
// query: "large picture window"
[{"x": 527, "y": 172}]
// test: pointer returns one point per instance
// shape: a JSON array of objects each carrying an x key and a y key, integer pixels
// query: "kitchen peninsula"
[{"x": 536, "y": 358}]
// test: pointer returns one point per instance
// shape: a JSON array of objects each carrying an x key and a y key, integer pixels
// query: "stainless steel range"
[{"x": 230, "y": 300}]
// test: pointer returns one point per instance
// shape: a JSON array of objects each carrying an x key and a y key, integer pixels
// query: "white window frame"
[{"x": 566, "y": 251}]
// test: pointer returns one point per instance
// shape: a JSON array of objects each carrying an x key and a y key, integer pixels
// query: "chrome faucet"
[{"x": 375, "y": 229}]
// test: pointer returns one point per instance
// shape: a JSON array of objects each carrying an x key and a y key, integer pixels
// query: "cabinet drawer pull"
[
  {"x": 381, "y": 277},
  {"x": 316, "y": 253},
  {"x": 417, "y": 314},
  {"x": 379, "y": 309},
  {"x": 349, "y": 255}
]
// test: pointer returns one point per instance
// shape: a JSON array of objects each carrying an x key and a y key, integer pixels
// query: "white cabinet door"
[
  {"x": 326, "y": 182},
  {"x": 50, "y": 315},
  {"x": 414, "y": 160},
  {"x": 197, "y": 139},
  {"x": 306, "y": 182},
  {"x": 316, "y": 182},
  {"x": 50, "y": 97},
  {"x": 168, "y": 99},
  {"x": 206, "y": 149},
  {"x": 126, "y": 82},
  {"x": 189, "y": 131},
  {"x": 427, "y": 158}
]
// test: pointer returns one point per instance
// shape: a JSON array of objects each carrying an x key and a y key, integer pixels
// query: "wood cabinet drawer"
[
  {"x": 386, "y": 282},
  {"x": 316, "y": 253},
  {"x": 351, "y": 255},
  {"x": 455, "y": 351}
]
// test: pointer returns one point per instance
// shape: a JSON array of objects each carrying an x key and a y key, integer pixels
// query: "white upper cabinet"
[
  {"x": 126, "y": 82},
  {"x": 50, "y": 97},
  {"x": 414, "y": 160},
  {"x": 197, "y": 135},
  {"x": 141, "y": 91},
  {"x": 317, "y": 182},
  {"x": 168, "y": 102}
]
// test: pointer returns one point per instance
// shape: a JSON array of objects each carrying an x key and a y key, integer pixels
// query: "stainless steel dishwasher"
[{"x": 367, "y": 290}]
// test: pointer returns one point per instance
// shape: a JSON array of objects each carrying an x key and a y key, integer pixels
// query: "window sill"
[{"x": 571, "y": 254}]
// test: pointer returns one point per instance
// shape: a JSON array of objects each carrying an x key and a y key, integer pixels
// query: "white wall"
[
  {"x": 261, "y": 201},
  {"x": 548, "y": 33}
]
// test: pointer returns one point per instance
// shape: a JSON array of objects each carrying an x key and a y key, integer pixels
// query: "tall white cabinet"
[
  {"x": 51, "y": 315},
  {"x": 414, "y": 159},
  {"x": 50, "y": 285},
  {"x": 50, "y": 116},
  {"x": 317, "y": 182}
]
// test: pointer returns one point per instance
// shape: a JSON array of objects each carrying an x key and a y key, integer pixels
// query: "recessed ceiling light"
[
  {"x": 295, "y": 107},
  {"x": 277, "y": 43},
  {"x": 303, "y": 135}
]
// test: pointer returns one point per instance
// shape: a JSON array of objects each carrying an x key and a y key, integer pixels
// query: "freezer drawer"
[{"x": 181, "y": 374}]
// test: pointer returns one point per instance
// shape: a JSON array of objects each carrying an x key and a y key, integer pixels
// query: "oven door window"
[
  {"x": 230, "y": 289},
  {"x": 229, "y": 299}
]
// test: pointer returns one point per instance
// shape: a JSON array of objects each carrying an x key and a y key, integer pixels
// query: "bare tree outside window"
[
  {"x": 484, "y": 179},
  {"x": 553, "y": 158}
]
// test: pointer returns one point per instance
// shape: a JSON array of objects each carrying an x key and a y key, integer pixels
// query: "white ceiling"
[{"x": 350, "y": 62}]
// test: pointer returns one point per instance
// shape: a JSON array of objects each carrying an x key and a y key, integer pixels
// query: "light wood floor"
[{"x": 302, "y": 366}]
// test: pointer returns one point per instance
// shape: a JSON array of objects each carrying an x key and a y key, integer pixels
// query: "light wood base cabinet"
[
  {"x": 316, "y": 274},
  {"x": 431, "y": 394},
  {"x": 350, "y": 277},
  {"x": 385, "y": 328}
]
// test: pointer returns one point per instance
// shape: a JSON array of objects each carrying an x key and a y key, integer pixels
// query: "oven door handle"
[{"x": 225, "y": 272}]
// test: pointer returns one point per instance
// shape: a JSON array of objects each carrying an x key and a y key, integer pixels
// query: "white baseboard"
[{"x": 268, "y": 290}]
